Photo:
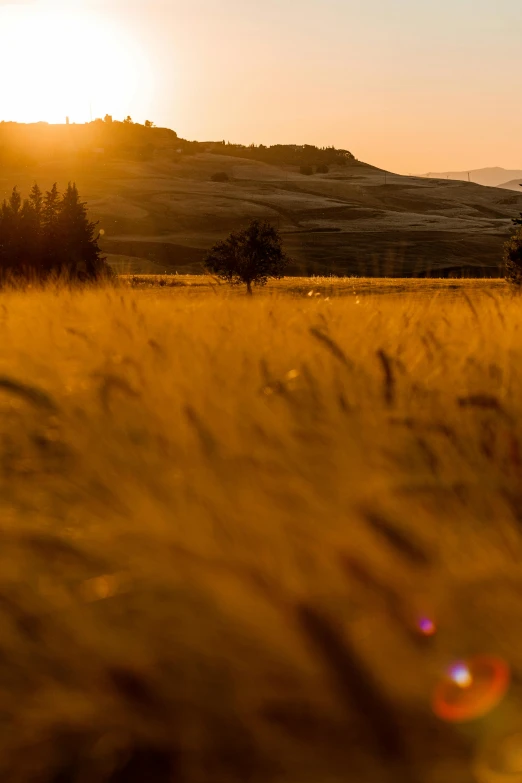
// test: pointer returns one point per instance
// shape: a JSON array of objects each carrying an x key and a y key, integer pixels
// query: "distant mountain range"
[{"x": 494, "y": 177}]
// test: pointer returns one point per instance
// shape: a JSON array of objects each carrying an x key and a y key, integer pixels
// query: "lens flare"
[
  {"x": 470, "y": 689},
  {"x": 426, "y": 626},
  {"x": 461, "y": 675}
]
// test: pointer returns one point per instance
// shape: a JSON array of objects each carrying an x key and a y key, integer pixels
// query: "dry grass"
[
  {"x": 328, "y": 286},
  {"x": 222, "y": 517}
]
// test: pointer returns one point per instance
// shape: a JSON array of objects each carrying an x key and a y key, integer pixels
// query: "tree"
[
  {"x": 108, "y": 119},
  {"x": 9, "y": 232},
  {"x": 322, "y": 169},
  {"x": 30, "y": 234},
  {"x": 36, "y": 200},
  {"x": 51, "y": 255},
  {"x": 249, "y": 256},
  {"x": 11, "y": 241},
  {"x": 128, "y": 120},
  {"x": 15, "y": 202},
  {"x": 149, "y": 124},
  {"x": 513, "y": 255},
  {"x": 79, "y": 250},
  {"x": 307, "y": 170},
  {"x": 45, "y": 235}
]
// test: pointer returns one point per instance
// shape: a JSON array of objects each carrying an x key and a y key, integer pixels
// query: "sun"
[{"x": 62, "y": 62}]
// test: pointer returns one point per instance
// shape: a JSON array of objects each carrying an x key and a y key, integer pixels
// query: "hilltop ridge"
[{"x": 27, "y": 144}]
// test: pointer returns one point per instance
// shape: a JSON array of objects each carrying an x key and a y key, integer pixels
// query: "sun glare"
[{"x": 67, "y": 63}]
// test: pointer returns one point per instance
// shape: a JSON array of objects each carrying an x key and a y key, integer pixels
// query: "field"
[
  {"x": 164, "y": 215},
  {"x": 222, "y": 518}
]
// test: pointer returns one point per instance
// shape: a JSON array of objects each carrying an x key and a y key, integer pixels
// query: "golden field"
[{"x": 222, "y": 518}]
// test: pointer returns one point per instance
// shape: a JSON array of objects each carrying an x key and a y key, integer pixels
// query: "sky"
[{"x": 413, "y": 86}]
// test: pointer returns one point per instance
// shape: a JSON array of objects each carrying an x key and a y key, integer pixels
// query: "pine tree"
[
  {"x": 49, "y": 234},
  {"x": 51, "y": 251},
  {"x": 15, "y": 202},
  {"x": 36, "y": 201},
  {"x": 30, "y": 239},
  {"x": 5, "y": 237},
  {"x": 12, "y": 231},
  {"x": 81, "y": 255}
]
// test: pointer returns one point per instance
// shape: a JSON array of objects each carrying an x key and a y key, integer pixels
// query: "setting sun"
[{"x": 67, "y": 63}]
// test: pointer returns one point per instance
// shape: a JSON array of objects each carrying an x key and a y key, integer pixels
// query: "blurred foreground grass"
[{"x": 222, "y": 518}]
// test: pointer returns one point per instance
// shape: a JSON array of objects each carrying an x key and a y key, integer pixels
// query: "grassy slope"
[
  {"x": 164, "y": 215},
  {"x": 221, "y": 518}
]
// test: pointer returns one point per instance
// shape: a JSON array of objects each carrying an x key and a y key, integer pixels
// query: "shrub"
[
  {"x": 307, "y": 170},
  {"x": 249, "y": 256},
  {"x": 322, "y": 169},
  {"x": 220, "y": 176}
]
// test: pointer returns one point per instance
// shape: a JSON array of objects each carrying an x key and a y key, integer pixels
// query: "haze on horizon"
[{"x": 408, "y": 86}]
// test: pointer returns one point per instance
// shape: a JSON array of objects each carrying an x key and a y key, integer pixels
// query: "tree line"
[
  {"x": 49, "y": 234},
  {"x": 305, "y": 155}
]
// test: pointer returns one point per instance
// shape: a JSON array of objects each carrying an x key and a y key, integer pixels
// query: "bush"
[
  {"x": 307, "y": 170},
  {"x": 221, "y": 176},
  {"x": 322, "y": 169}
]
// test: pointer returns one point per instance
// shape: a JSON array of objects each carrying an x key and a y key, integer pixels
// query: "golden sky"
[{"x": 410, "y": 85}]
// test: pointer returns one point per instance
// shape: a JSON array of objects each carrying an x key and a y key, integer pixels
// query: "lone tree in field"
[
  {"x": 249, "y": 256},
  {"x": 513, "y": 255}
]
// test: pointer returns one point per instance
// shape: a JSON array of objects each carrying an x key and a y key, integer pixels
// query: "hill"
[
  {"x": 493, "y": 177},
  {"x": 513, "y": 184},
  {"x": 159, "y": 209}
]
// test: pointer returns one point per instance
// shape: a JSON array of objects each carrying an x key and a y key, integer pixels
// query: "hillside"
[
  {"x": 158, "y": 209},
  {"x": 513, "y": 184},
  {"x": 493, "y": 177}
]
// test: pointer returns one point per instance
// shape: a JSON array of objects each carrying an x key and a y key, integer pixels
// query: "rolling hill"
[
  {"x": 164, "y": 212},
  {"x": 493, "y": 177},
  {"x": 514, "y": 184}
]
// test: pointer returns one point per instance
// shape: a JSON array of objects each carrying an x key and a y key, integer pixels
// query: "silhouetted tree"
[
  {"x": 15, "y": 202},
  {"x": 149, "y": 124},
  {"x": 51, "y": 251},
  {"x": 513, "y": 255},
  {"x": 250, "y": 256},
  {"x": 128, "y": 120},
  {"x": 108, "y": 119},
  {"x": 50, "y": 234},
  {"x": 30, "y": 233},
  {"x": 36, "y": 200},
  {"x": 10, "y": 232},
  {"x": 79, "y": 251}
]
